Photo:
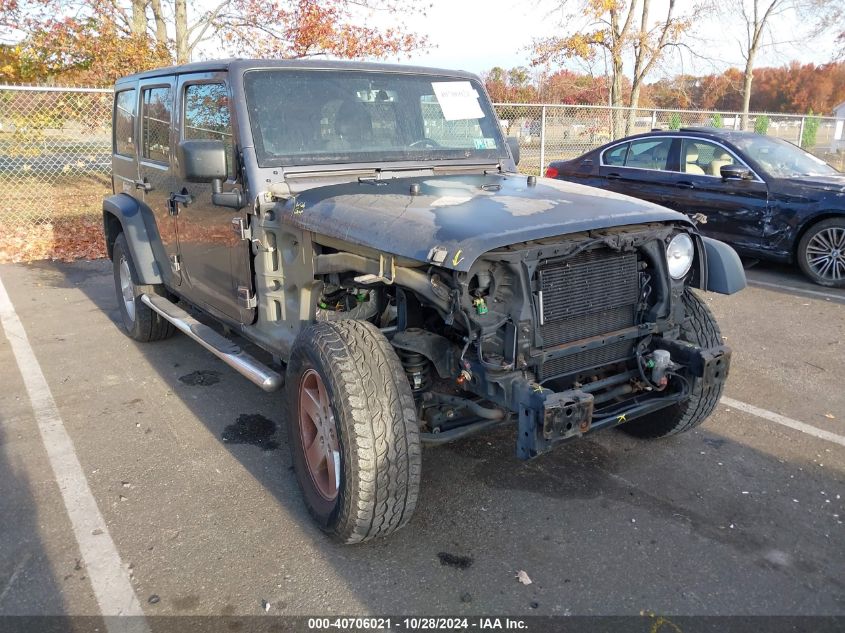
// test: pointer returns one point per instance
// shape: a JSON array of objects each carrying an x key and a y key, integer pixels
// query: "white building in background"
[{"x": 839, "y": 129}]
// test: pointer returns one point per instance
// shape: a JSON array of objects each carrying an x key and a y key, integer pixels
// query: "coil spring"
[{"x": 417, "y": 368}]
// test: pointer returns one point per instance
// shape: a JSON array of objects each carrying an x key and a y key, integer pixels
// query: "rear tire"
[
  {"x": 821, "y": 253},
  {"x": 699, "y": 328},
  {"x": 141, "y": 322},
  {"x": 352, "y": 430}
]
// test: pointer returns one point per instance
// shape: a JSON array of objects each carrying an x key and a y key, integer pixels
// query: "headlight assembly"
[{"x": 679, "y": 254}]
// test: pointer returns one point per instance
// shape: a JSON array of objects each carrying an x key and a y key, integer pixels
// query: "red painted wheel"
[
  {"x": 352, "y": 430},
  {"x": 318, "y": 435}
]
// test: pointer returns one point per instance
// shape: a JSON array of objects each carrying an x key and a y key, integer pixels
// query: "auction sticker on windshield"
[{"x": 457, "y": 99}]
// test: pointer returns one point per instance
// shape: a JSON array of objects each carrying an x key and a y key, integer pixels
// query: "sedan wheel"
[{"x": 821, "y": 253}]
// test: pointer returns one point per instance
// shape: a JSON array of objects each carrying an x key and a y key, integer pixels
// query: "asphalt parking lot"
[{"x": 191, "y": 475}]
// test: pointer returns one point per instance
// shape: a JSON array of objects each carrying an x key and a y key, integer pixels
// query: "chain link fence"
[
  {"x": 55, "y": 142},
  {"x": 558, "y": 132},
  {"x": 55, "y": 152}
]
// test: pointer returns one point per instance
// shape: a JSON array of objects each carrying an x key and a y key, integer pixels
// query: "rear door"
[
  {"x": 735, "y": 209},
  {"x": 155, "y": 164},
  {"x": 215, "y": 260},
  {"x": 639, "y": 168}
]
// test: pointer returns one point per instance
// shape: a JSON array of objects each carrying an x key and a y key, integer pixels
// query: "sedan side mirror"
[
  {"x": 202, "y": 160},
  {"x": 513, "y": 146},
  {"x": 735, "y": 172}
]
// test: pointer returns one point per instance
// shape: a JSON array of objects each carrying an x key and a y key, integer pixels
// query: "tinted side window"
[
  {"x": 615, "y": 155},
  {"x": 207, "y": 116},
  {"x": 124, "y": 122},
  {"x": 649, "y": 154},
  {"x": 155, "y": 124}
]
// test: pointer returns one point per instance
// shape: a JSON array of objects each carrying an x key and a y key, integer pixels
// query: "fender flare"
[
  {"x": 725, "y": 273},
  {"x": 128, "y": 212}
]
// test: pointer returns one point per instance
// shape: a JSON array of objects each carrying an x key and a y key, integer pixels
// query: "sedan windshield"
[
  {"x": 782, "y": 159},
  {"x": 305, "y": 117}
]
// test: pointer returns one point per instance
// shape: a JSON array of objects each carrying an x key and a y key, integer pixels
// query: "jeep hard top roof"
[{"x": 239, "y": 66}]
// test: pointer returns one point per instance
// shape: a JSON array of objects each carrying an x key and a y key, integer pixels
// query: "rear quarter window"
[
  {"x": 125, "y": 104},
  {"x": 615, "y": 155}
]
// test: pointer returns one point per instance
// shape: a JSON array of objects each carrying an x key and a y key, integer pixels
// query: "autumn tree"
[
  {"x": 510, "y": 86},
  {"x": 567, "y": 86},
  {"x": 807, "y": 18},
  {"x": 799, "y": 87},
  {"x": 617, "y": 28},
  {"x": 105, "y": 37},
  {"x": 679, "y": 91}
]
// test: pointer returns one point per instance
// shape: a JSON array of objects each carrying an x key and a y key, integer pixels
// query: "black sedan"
[{"x": 766, "y": 197}]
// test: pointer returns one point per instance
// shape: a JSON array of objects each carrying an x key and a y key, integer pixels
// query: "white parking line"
[
  {"x": 781, "y": 419},
  {"x": 814, "y": 293},
  {"x": 109, "y": 578}
]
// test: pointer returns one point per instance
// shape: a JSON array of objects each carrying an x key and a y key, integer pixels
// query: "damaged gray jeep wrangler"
[{"x": 366, "y": 226}]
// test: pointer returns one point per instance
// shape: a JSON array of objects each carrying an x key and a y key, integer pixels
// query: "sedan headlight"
[{"x": 679, "y": 255}]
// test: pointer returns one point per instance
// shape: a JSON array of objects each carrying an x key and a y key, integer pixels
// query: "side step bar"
[{"x": 217, "y": 344}]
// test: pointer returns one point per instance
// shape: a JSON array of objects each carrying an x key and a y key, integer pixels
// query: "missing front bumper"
[{"x": 547, "y": 418}]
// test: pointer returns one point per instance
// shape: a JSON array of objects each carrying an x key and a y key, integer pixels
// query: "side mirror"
[
  {"x": 735, "y": 172},
  {"x": 205, "y": 161},
  {"x": 202, "y": 160},
  {"x": 513, "y": 146}
]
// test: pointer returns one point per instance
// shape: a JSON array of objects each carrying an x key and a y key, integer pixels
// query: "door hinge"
[
  {"x": 176, "y": 199},
  {"x": 176, "y": 263},
  {"x": 246, "y": 299},
  {"x": 240, "y": 228}
]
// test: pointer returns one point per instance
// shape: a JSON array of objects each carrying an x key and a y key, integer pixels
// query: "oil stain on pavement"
[
  {"x": 455, "y": 560},
  {"x": 254, "y": 429},
  {"x": 201, "y": 378}
]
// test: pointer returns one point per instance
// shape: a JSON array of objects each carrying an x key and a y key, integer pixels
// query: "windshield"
[
  {"x": 782, "y": 159},
  {"x": 304, "y": 117}
]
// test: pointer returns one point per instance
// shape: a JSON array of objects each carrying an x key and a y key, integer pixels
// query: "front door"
[
  {"x": 735, "y": 209},
  {"x": 215, "y": 260}
]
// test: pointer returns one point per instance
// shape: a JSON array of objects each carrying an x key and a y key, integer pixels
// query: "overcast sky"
[{"x": 475, "y": 35}]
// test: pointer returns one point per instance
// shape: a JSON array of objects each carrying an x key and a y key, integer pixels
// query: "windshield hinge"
[
  {"x": 241, "y": 229},
  {"x": 246, "y": 299}
]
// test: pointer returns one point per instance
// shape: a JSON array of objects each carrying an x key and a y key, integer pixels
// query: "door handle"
[
  {"x": 685, "y": 184},
  {"x": 143, "y": 184},
  {"x": 613, "y": 177}
]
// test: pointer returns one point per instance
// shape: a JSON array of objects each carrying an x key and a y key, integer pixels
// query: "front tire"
[
  {"x": 821, "y": 253},
  {"x": 352, "y": 430},
  {"x": 700, "y": 329},
  {"x": 141, "y": 322}
]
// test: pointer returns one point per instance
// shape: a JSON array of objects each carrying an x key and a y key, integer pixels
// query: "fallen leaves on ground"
[{"x": 64, "y": 239}]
